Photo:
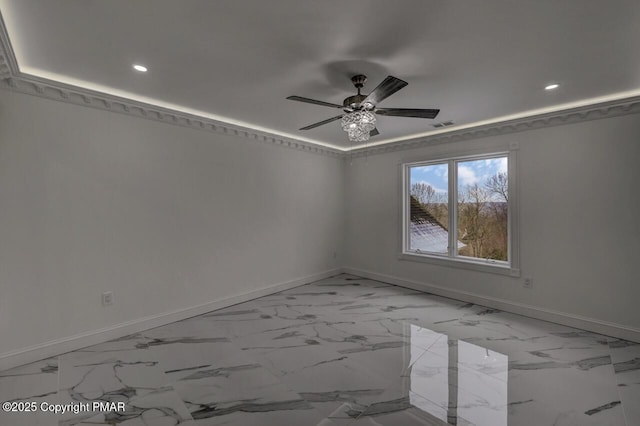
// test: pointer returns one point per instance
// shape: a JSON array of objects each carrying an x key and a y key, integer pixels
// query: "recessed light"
[
  {"x": 140, "y": 68},
  {"x": 551, "y": 86}
]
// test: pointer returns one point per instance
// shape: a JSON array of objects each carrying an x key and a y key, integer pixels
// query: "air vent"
[{"x": 443, "y": 124}]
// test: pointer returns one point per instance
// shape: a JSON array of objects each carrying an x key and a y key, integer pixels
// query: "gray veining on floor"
[{"x": 342, "y": 351}]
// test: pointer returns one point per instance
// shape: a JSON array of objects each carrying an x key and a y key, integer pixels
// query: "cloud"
[
  {"x": 437, "y": 169},
  {"x": 482, "y": 170},
  {"x": 496, "y": 165},
  {"x": 467, "y": 176},
  {"x": 502, "y": 164}
]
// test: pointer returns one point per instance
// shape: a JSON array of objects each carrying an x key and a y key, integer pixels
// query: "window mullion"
[
  {"x": 407, "y": 208},
  {"x": 453, "y": 197}
]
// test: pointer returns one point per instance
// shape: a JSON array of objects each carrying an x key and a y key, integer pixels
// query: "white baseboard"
[
  {"x": 590, "y": 324},
  {"x": 59, "y": 346}
]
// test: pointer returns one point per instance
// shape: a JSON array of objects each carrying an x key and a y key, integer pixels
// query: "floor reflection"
[{"x": 455, "y": 381}]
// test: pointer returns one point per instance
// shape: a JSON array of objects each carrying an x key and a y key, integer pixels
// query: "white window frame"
[{"x": 451, "y": 259}]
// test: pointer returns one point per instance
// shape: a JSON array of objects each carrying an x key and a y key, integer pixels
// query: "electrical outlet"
[
  {"x": 528, "y": 282},
  {"x": 107, "y": 298}
]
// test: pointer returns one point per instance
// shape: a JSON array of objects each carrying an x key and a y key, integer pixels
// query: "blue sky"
[{"x": 469, "y": 172}]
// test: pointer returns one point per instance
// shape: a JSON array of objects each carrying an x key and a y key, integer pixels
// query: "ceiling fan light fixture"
[{"x": 358, "y": 125}]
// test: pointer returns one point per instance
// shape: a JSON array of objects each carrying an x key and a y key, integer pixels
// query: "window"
[{"x": 461, "y": 210}]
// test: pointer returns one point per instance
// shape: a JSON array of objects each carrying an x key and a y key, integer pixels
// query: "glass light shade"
[{"x": 358, "y": 124}]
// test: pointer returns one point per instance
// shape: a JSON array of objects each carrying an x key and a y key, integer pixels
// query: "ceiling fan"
[{"x": 359, "y": 118}]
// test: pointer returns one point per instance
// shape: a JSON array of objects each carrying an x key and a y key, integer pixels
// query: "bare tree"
[
  {"x": 472, "y": 219},
  {"x": 498, "y": 184},
  {"x": 423, "y": 192}
]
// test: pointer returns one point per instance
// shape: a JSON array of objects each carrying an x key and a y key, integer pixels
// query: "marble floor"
[{"x": 341, "y": 351}]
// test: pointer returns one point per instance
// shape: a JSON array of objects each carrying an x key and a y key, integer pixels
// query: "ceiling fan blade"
[
  {"x": 388, "y": 87},
  {"x": 313, "y": 101},
  {"x": 328, "y": 120},
  {"x": 374, "y": 132},
  {"x": 408, "y": 112}
]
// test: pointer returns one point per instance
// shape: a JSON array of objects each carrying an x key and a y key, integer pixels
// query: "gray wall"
[
  {"x": 169, "y": 218},
  {"x": 165, "y": 217},
  {"x": 579, "y": 226}
]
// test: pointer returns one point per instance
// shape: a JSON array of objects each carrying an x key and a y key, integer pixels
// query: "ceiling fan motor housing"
[{"x": 354, "y": 101}]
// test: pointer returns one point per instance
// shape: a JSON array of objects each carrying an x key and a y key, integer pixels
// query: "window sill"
[{"x": 480, "y": 265}]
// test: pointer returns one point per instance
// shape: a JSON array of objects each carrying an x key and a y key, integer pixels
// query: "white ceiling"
[{"x": 237, "y": 60}]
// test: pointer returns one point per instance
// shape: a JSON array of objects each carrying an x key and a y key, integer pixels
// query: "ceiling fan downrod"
[{"x": 354, "y": 102}]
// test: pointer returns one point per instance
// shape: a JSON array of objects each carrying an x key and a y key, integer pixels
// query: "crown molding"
[
  {"x": 12, "y": 79},
  {"x": 8, "y": 63},
  {"x": 595, "y": 111},
  {"x": 57, "y": 91}
]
